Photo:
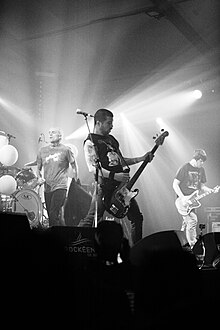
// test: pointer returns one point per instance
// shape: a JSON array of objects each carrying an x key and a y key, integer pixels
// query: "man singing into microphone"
[
  {"x": 55, "y": 159},
  {"x": 113, "y": 170}
]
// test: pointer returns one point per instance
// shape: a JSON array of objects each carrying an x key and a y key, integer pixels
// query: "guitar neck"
[
  {"x": 203, "y": 195},
  {"x": 140, "y": 169}
]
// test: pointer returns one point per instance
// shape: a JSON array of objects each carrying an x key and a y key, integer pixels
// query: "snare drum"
[
  {"x": 28, "y": 201},
  {"x": 26, "y": 179}
]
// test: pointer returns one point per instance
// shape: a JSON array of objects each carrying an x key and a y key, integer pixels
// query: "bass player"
[
  {"x": 102, "y": 150},
  {"x": 190, "y": 177}
]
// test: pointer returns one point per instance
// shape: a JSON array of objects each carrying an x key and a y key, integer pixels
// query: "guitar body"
[
  {"x": 189, "y": 203},
  {"x": 120, "y": 201},
  {"x": 185, "y": 206}
]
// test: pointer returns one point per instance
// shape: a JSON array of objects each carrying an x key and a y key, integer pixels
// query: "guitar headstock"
[
  {"x": 159, "y": 140},
  {"x": 216, "y": 189}
]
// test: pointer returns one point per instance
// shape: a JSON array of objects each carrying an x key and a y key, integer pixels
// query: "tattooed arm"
[
  {"x": 91, "y": 160},
  {"x": 90, "y": 155}
]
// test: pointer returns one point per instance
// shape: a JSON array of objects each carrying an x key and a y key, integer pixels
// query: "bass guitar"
[
  {"x": 188, "y": 203},
  {"x": 119, "y": 202}
]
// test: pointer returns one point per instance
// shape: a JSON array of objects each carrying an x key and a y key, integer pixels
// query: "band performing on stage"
[{"x": 40, "y": 189}]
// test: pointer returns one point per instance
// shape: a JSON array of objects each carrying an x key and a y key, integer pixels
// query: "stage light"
[
  {"x": 197, "y": 94},
  {"x": 160, "y": 122}
]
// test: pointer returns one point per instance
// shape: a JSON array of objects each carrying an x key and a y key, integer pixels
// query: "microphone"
[
  {"x": 79, "y": 112},
  {"x": 40, "y": 137}
]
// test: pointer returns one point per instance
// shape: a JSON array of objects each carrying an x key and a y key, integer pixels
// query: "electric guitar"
[
  {"x": 119, "y": 203},
  {"x": 188, "y": 203}
]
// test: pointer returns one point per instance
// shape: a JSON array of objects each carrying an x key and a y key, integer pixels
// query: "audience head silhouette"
[{"x": 109, "y": 240}]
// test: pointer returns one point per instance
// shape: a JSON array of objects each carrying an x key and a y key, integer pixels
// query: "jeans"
[
  {"x": 54, "y": 201},
  {"x": 189, "y": 224}
]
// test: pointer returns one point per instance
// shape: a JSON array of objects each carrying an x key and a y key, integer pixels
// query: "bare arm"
[
  {"x": 177, "y": 189},
  {"x": 206, "y": 189},
  {"x": 75, "y": 168},
  {"x": 136, "y": 160},
  {"x": 38, "y": 172},
  {"x": 39, "y": 167}
]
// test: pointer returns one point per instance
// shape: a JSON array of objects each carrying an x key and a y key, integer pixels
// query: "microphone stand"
[
  {"x": 96, "y": 172},
  {"x": 9, "y": 136}
]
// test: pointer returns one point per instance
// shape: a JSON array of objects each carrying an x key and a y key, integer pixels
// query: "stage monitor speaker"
[
  {"x": 14, "y": 227},
  {"x": 77, "y": 242},
  {"x": 212, "y": 247},
  {"x": 14, "y": 244},
  {"x": 77, "y": 204},
  {"x": 170, "y": 240}
]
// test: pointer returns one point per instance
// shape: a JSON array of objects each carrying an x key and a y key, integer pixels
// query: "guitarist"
[
  {"x": 113, "y": 169},
  {"x": 189, "y": 178}
]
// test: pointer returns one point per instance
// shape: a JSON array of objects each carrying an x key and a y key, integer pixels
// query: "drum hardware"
[
  {"x": 6, "y": 137},
  {"x": 27, "y": 179},
  {"x": 9, "y": 170},
  {"x": 5, "y": 203}
]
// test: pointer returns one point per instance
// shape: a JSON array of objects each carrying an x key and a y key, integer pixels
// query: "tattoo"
[{"x": 92, "y": 155}]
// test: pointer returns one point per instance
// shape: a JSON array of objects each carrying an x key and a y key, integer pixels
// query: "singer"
[
  {"x": 113, "y": 170},
  {"x": 54, "y": 159}
]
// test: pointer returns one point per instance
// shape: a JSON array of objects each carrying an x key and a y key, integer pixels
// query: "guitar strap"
[
  {"x": 123, "y": 161},
  {"x": 98, "y": 161}
]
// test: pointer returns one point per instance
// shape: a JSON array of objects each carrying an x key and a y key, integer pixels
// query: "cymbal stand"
[{"x": 9, "y": 137}]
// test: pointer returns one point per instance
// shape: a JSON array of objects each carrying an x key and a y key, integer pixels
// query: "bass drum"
[{"x": 28, "y": 201}]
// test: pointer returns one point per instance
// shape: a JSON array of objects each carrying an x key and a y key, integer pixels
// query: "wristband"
[{"x": 111, "y": 175}]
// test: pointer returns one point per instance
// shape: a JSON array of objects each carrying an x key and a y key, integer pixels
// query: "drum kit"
[
  {"x": 19, "y": 191},
  {"x": 26, "y": 198}
]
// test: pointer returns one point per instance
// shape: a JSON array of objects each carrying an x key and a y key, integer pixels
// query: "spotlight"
[
  {"x": 197, "y": 94},
  {"x": 160, "y": 122}
]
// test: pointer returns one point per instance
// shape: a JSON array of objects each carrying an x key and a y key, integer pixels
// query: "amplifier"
[
  {"x": 213, "y": 218},
  {"x": 216, "y": 226}
]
